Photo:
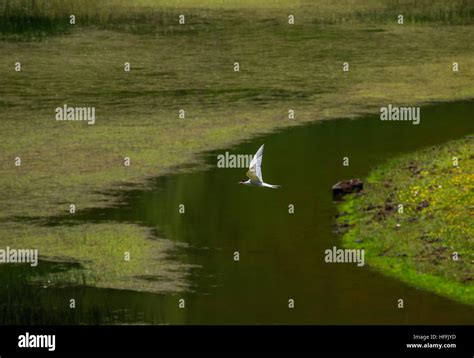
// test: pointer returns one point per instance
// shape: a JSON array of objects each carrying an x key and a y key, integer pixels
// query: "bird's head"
[{"x": 242, "y": 182}]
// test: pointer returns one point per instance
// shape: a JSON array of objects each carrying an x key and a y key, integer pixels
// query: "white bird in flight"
[{"x": 255, "y": 172}]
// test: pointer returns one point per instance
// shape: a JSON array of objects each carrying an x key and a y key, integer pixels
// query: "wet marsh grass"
[
  {"x": 36, "y": 19},
  {"x": 107, "y": 255}
]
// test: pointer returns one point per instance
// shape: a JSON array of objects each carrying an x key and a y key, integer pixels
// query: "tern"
[{"x": 255, "y": 172}]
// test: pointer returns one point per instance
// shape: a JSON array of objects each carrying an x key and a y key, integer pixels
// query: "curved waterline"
[{"x": 281, "y": 255}]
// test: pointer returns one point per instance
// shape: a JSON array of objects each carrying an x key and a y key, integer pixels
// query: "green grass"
[
  {"x": 417, "y": 245},
  {"x": 36, "y": 19},
  {"x": 111, "y": 255},
  {"x": 191, "y": 67}
]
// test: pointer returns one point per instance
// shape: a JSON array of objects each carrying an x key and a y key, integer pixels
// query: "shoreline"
[{"x": 396, "y": 242}]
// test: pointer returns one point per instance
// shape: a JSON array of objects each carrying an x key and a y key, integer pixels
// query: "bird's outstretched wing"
[{"x": 255, "y": 169}]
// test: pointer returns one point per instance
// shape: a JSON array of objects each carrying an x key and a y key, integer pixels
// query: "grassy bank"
[
  {"x": 429, "y": 243},
  {"x": 190, "y": 67},
  {"x": 103, "y": 255}
]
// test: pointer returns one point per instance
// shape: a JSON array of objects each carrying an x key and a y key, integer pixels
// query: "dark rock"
[
  {"x": 345, "y": 187},
  {"x": 413, "y": 167},
  {"x": 371, "y": 207},
  {"x": 341, "y": 228},
  {"x": 380, "y": 215},
  {"x": 341, "y": 214},
  {"x": 431, "y": 240},
  {"x": 387, "y": 184},
  {"x": 422, "y": 205}
]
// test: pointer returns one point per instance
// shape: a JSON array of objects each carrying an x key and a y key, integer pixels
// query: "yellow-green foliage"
[
  {"x": 320, "y": 11},
  {"x": 420, "y": 244},
  {"x": 109, "y": 255}
]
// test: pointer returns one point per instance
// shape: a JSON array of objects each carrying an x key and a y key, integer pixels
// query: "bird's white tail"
[{"x": 272, "y": 186}]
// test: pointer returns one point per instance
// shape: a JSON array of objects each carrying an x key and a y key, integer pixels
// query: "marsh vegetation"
[
  {"x": 189, "y": 67},
  {"x": 416, "y": 219}
]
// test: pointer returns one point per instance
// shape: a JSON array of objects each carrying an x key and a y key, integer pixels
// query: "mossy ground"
[
  {"x": 431, "y": 243},
  {"x": 106, "y": 255}
]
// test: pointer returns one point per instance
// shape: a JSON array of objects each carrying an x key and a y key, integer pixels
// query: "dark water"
[{"x": 281, "y": 255}]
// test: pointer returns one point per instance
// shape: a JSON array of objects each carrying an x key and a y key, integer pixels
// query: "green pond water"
[{"x": 281, "y": 255}]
